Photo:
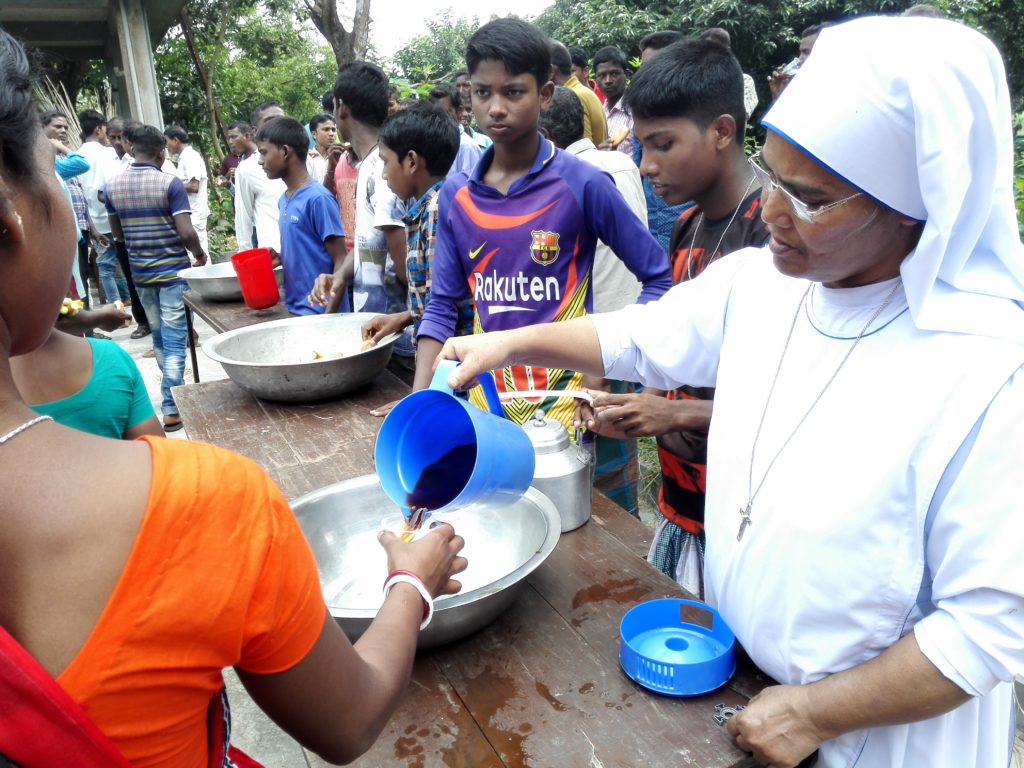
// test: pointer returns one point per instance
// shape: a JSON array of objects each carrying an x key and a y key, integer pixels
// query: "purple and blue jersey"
[{"x": 527, "y": 256}]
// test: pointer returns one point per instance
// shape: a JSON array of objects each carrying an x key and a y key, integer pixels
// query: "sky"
[{"x": 395, "y": 22}]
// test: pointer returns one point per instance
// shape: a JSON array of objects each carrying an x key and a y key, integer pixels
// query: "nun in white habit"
[{"x": 864, "y": 536}]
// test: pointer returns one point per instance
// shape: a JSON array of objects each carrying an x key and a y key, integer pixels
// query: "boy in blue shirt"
[
  {"x": 521, "y": 230},
  {"x": 312, "y": 237}
]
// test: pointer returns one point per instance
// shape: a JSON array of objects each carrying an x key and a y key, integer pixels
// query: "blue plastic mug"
[{"x": 438, "y": 451}]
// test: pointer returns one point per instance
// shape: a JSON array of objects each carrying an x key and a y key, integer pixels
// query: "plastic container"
[
  {"x": 438, "y": 451},
  {"x": 676, "y": 647},
  {"x": 256, "y": 278}
]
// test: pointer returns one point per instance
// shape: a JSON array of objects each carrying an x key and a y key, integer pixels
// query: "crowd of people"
[{"x": 824, "y": 339}]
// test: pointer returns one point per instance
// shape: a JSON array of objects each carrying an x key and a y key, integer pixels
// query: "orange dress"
[{"x": 220, "y": 575}]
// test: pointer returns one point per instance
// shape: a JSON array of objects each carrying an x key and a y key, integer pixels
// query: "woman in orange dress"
[{"x": 173, "y": 560}]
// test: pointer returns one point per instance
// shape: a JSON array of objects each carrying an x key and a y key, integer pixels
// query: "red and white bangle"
[{"x": 410, "y": 578}]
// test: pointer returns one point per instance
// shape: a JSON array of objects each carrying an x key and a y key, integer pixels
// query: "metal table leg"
[{"x": 191, "y": 344}]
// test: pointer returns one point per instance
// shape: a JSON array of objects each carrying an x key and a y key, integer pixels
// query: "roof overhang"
[{"x": 78, "y": 30}]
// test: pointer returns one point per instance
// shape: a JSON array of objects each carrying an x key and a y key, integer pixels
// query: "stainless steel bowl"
[
  {"x": 503, "y": 547},
  {"x": 218, "y": 282},
  {"x": 297, "y": 360}
]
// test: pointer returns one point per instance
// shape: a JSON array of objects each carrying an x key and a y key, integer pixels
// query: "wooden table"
[
  {"x": 226, "y": 316},
  {"x": 541, "y": 686}
]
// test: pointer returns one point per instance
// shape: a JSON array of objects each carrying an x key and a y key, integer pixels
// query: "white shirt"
[
  {"x": 316, "y": 166},
  {"x": 893, "y": 509},
  {"x": 613, "y": 284},
  {"x": 192, "y": 166},
  {"x": 256, "y": 199},
  {"x": 375, "y": 286},
  {"x": 103, "y": 166}
]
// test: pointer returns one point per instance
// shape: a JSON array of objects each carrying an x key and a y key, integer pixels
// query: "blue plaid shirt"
[
  {"x": 421, "y": 231},
  {"x": 146, "y": 200}
]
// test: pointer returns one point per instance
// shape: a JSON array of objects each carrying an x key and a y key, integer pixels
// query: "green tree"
[
  {"x": 438, "y": 54},
  {"x": 262, "y": 52},
  {"x": 765, "y": 34},
  {"x": 253, "y": 50}
]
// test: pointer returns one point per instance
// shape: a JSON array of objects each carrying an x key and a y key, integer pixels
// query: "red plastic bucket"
[{"x": 256, "y": 277}]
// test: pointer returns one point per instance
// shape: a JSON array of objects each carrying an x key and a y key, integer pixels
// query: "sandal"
[
  {"x": 141, "y": 331},
  {"x": 172, "y": 423}
]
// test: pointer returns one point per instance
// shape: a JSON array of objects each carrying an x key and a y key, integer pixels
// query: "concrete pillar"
[{"x": 136, "y": 85}]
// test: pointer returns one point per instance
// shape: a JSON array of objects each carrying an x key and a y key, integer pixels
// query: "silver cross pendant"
[{"x": 745, "y": 514}]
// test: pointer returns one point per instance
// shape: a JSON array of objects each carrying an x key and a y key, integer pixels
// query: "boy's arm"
[
  {"x": 398, "y": 247},
  {"x": 115, "y": 224},
  {"x": 335, "y": 245},
  {"x": 189, "y": 238},
  {"x": 608, "y": 215}
]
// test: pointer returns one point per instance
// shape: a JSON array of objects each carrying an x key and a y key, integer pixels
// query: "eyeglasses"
[{"x": 802, "y": 210}]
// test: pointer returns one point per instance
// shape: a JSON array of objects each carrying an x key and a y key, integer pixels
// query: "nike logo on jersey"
[{"x": 474, "y": 254}]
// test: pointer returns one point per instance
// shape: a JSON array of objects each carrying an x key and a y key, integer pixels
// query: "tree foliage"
[
  {"x": 765, "y": 34},
  {"x": 267, "y": 54},
  {"x": 437, "y": 55}
]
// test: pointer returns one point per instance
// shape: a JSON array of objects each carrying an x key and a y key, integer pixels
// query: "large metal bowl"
[
  {"x": 218, "y": 282},
  {"x": 295, "y": 360},
  {"x": 503, "y": 547}
]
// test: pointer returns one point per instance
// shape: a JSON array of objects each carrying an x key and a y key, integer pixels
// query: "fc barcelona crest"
[{"x": 544, "y": 247}]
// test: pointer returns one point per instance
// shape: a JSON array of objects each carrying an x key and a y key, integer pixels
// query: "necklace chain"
[
  {"x": 27, "y": 425},
  {"x": 751, "y": 491},
  {"x": 696, "y": 229}
]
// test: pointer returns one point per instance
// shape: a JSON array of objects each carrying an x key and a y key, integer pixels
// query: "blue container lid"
[{"x": 676, "y": 647}]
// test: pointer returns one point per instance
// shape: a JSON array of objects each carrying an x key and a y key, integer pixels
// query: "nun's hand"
[
  {"x": 477, "y": 353},
  {"x": 777, "y": 726}
]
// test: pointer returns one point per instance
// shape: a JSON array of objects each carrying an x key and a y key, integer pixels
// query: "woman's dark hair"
[
  {"x": 611, "y": 55},
  {"x": 363, "y": 88},
  {"x": 519, "y": 46},
  {"x": 426, "y": 129},
  {"x": 285, "y": 132},
  {"x": 19, "y": 121},
  {"x": 563, "y": 117},
  {"x": 175, "y": 132},
  {"x": 319, "y": 120},
  {"x": 696, "y": 79},
  {"x": 49, "y": 116}
]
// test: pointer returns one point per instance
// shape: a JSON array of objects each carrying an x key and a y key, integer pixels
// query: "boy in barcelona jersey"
[{"x": 521, "y": 230}]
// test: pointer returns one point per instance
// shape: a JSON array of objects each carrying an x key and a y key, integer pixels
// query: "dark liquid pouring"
[{"x": 442, "y": 481}]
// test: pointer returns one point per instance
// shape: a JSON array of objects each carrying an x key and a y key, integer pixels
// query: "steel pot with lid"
[{"x": 562, "y": 470}]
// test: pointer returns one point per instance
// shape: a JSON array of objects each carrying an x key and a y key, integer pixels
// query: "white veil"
[{"x": 916, "y": 113}]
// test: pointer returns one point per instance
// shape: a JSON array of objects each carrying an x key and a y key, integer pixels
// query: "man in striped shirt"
[{"x": 149, "y": 210}]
